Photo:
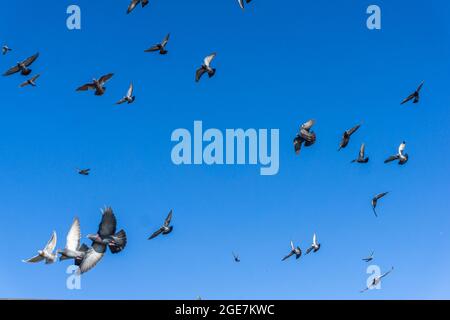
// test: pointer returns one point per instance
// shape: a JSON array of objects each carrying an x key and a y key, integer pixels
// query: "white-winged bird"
[
  {"x": 346, "y": 136},
  {"x": 415, "y": 96},
  {"x": 376, "y": 281},
  {"x": 401, "y": 156},
  {"x": 73, "y": 250},
  {"x": 106, "y": 237},
  {"x": 47, "y": 253},
  {"x": 305, "y": 136},
  {"x": 22, "y": 66},
  {"x": 361, "y": 156},
  {"x": 294, "y": 251},
  {"x": 375, "y": 201},
  {"x": 5, "y": 49},
  {"x": 241, "y": 3},
  {"x": 206, "y": 68},
  {"x": 97, "y": 85},
  {"x": 134, "y": 3},
  {"x": 30, "y": 82},
  {"x": 161, "y": 47},
  {"x": 129, "y": 98},
  {"x": 315, "y": 245},
  {"x": 165, "y": 229}
]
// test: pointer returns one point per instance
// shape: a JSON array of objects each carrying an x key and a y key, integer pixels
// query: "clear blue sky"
[{"x": 278, "y": 65}]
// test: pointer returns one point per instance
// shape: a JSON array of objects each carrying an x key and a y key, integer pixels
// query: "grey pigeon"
[
  {"x": 47, "y": 253},
  {"x": 206, "y": 68},
  {"x": 30, "y": 82},
  {"x": 346, "y": 136},
  {"x": 5, "y": 49},
  {"x": 73, "y": 250},
  {"x": 241, "y": 3},
  {"x": 129, "y": 98},
  {"x": 134, "y": 3},
  {"x": 315, "y": 245},
  {"x": 377, "y": 280},
  {"x": 22, "y": 66},
  {"x": 415, "y": 96},
  {"x": 236, "y": 257},
  {"x": 305, "y": 136},
  {"x": 294, "y": 251},
  {"x": 106, "y": 236},
  {"x": 375, "y": 201},
  {"x": 84, "y": 172},
  {"x": 361, "y": 156},
  {"x": 369, "y": 258},
  {"x": 161, "y": 47},
  {"x": 97, "y": 85},
  {"x": 165, "y": 229},
  {"x": 401, "y": 156}
]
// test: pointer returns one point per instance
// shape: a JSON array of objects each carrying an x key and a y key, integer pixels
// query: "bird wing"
[
  {"x": 168, "y": 219},
  {"x": 391, "y": 158},
  {"x": 241, "y": 3},
  {"x": 288, "y": 256},
  {"x": 123, "y": 100},
  {"x": 91, "y": 258},
  {"x": 362, "y": 151},
  {"x": 298, "y": 144},
  {"x": 156, "y": 47},
  {"x": 381, "y": 195},
  {"x": 166, "y": 40},
  {"x": 155, "y": 234},
  {"x": 24, "y": 84},
  {"x": 132, "y": 5},
  {"x": 315, "y": 239},
  {"x": 105, "y": 78},
  {"x": 130, "y": 90},
  {"x": 74, "y": 236},
  {"x": 385, "y": 274},
  {"x": 308, "y": 125},
  {"x": 401, "y": 148},
  {"x": 292, "y": 246},
  {"x": 108, "y": 224},
  {"x": 86, "y": 87},
  {"x": 209, "y": 59},
  {"x": 353, "y": 130},
  {"x": 35, "y": 259},
  {"x": 12, "y": 70},
  {"x": 420, "y": 86},
  {"x": 51, "y": 244},
  {"x": 27, "y": 62},
  {"x": 35, "y": 77},
  {"x": 409, "y": 98},
  {"x": 199, "y": 74}
]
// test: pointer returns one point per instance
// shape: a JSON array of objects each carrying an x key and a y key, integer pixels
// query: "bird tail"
[
  {"x": 120, "y": 241},
  {"x": 212, "y": 73},
  {"x": 26, "y": 72}
]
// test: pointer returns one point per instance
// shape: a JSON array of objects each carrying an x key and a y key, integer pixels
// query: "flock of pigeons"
[{"x": 86, "y": 257}]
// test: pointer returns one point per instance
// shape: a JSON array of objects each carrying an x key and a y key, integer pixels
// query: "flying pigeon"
[
  {"x": 236, "y": 258},
  {"x": 315, "y": 246},
  {"x": 165, "y": 229},
  {"x": 375, "y": 201},
  {"x": 414, "y": 96},
  {"x": 161, "y": 47},
  {"x": 361, "y": 157},
  {"x": 97, "y": 85},
  {"x": 305, "y": 136},
  {"x": 401, "y": 156},
  {"x": 5, "y": 49},
  {"x": 206, "y": 68},
  {"x": 106, "y": 237},
  {"x": 369, "y": 258},
  {"x": 84, "y": 172},
  {"x": 47, "y": 253},
  {"x": 297, "y": 251},
  {"x": 346, "y": 136},
  {"x": 30, "y": 82},
  {"x": 73, "y": 250},
  {"x": 241, "y": 3},
  {"x": 129, "y": 98},
  {"x": 377, "y": 281},
  {"x": 134, "y": 3},
  {"x": 22, "y": 67}
]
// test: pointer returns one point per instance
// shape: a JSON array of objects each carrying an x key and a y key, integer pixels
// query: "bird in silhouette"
[
  {"x": 243, "y": 2},
  {"x": 47, "y": 254},
  {"x": 84, "y": 172},
  {"x": 376, "y": 281},
  {"x": 30, "y": 82},
  {"x": 315, "y": 245},
  {"x": 401, "y": 156},
  {"x": 22, "y": 66},
  {"x": 161, "y": 47},
  {"x": 129, "y": 98},
  {"x": 5, "y": 49},
  {"x": 134, "y": 3},
  {"x": 165, "y": 229},
  {"x": 294, "y": 251},
  {"x": 236, "y": 257},
  {"x": 415, "y": 96},
  {"x": 375, "y": 201},
  {"x": 369, "y": 258},
  {"x": 97, "y": 85},
  {"x": 346, "y": 136},
  {"x": 361, "y": 156},
  {"x": 305, "y": 136},
  {"x": 206, "y": 68}
]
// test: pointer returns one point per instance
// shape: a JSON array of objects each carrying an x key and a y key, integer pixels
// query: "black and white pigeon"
[
  {"x": 129, "y": 98},
  {"x": 243, "y": 2},
  {"x": 294, "y": 251},
  {"x": 161, "y": 47},
  {"x": 369, "y": 258},
  {"x": 376, "y": 281},
  {"x": 361, "y": 156},
  {"x": 375, "y": 201},
  {"x": 415, "y": 96},
  {"x": 30, "y": 82},
  {"x": 97, "y": 85},
  {"x": 106, "y": 237},
  {"x": 305, "y": 136},
  {"x": 206, "y": 68},
  {"x": 346, "y": 136},
  {"x": 47, "y": 254},
  {"x": 165, "y": 229},
  {"x": 84, "y": 172},
  {"x": 134, "y": 3},
  {"x": 22, "y": 66},
  {"x": 315, "y": 245},
  {"x": 401, "y": 156},
  {"x": 5, "y": 49},
  {"x": 73, "y": 250},
  {"x": 236, "y": 257}
]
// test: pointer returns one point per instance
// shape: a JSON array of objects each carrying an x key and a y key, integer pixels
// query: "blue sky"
[{"x": 278, "y": 66}]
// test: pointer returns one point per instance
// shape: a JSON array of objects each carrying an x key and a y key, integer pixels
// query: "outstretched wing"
[
  {"x": 409, "y": 98},
  {"x": 168, "y": 219},
  {"x": 35, "y": 259},
  {"x": 381, "y": 195},
  {"x": 105, "y": 78},
  {"x": 420, "y": 87},
  {"x": 132, "y": 5},
  {"x": 153, "y": 49},
  {"x": 74, "y": 236},
  {"x": 155, "y": 234},
  {"x": 391, "y": 158},
  {"x": 166, "y": 40},
  {"x": 27, "y": 62},
  {"x": 86, "y": 87},
  {"x": 288, "y": 256},
  {"x": 108, "y": 224},
  {"x": 209, "y": 59},
  {"x": 353, "y": 130},
  {"x": 401, "y": 148},
  {"x": 199, "y": 74},
  {"x": 362, "y": 151},
  {"x": 12, "y": 70},
  {"x": 130, "y": 90},
  {"x": 308, "y": 125},
  {"x": 91, "y": 258},
  {"x": 51, "y": 244}
]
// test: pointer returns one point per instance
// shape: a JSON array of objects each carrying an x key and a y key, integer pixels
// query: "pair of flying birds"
[
  {"x": 23, "y": 68},
  {"x": 297, "y": 251}
]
